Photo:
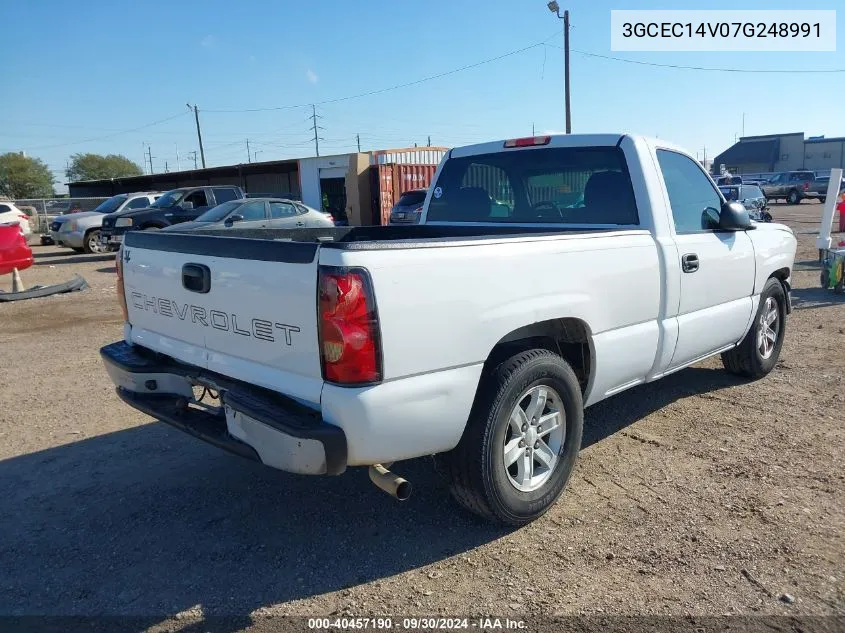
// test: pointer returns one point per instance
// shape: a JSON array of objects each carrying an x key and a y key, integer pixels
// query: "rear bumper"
[{"x": 252, "y": 422}]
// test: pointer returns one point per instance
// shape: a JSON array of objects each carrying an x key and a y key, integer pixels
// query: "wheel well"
[
  {"x": 783, "y": 275},
  {"x": 569, "y": 337}
]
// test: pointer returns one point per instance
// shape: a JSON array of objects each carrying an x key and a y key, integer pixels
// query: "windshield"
[
  {"x": 111, "y": 204},
  {"x": 565, "y": 185},
  {"x": 170, "y": 199},
  {"x": 215, "y": 214}
]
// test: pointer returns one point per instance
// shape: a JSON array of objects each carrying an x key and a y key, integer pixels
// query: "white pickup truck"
[{"x": 547, "y": 274}]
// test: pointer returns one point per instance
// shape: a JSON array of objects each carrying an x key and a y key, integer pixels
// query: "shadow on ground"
[
  {"x": 40, "y": 260},
  {"x": 805, "y": 298},
  {"x": 150, "y": 521}
]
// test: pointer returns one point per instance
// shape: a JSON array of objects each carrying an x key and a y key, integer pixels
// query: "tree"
[
  {"x": 98, "y": 167},
  {"x": 24, "y": 177}
]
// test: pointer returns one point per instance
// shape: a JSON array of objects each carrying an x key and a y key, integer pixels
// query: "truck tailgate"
[{"x": 249, "y": 311}]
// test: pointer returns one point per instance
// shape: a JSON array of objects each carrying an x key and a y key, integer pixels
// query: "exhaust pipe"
[{"x": 391, "y": 483}]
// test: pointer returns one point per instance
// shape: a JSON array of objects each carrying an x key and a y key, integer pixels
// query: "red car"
[{"x": 14, "y": 251}]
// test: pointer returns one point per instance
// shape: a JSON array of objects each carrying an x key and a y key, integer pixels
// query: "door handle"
[
  {"x": 300, "y": 224},
  {"x": 689, "y": 263}
]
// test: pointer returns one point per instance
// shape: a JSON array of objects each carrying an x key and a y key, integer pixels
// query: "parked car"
[
  {"x": 14, "y": 250},
  {"x": 174, "y": 207},
  {"x": 82, "y": 231},
  {"x": 408, "y": 208},
  {"x": 10, "y": 213},
  {"x": 791, "y": 186},
  {"x": 751, "y": 197},
  {"x": 478, "y": 336},
  {"x": 257, "y": 213},
  {"x": 821, "y": 185}
]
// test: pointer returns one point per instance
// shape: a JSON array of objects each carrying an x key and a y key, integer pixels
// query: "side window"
[
  {"x": 138, "y": 203},
  {"x": 279, "y": 210},
  {"x": 695, "y": 203},
  {"x": 252, "y": 211},
  {"x": 198, "y": 198},
  {"x": 224, "y": 195},
  {"x": 4, "y": 208}
]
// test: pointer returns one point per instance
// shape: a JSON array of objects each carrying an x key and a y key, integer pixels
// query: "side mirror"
[
  {"x": 187, "y": 205},
  {"x": 734, "y": 217},
  {"x": 235, "y": 217}
]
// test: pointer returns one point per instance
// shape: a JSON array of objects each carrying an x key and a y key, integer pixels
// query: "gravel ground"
[{"x": 699, "y": 494}]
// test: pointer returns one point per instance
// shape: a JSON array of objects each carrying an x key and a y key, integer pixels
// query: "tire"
[
  {"x": 91, "y": 242},
  {"x": 749, "y": 358},
  {"x": 822, "y": 199},
  {"x": 475, "y": 469},
  {"x": 793, "y": 197}
]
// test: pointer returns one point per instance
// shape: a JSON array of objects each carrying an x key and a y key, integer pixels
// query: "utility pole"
[
  {"x": 705, "y": 156},
  {"x": 315, "y": 127},
  {"x": 178, "y": 164},
  {"x": 150, "y": 158},
  {"x": 144, "y": 154},
  {"x": 248, "y": 156},
  {"x": 429, "y": 140},
  {"x": 532, "y": 129},
  {"x": 358, "y": 139},
  {"x": 199, "y": 133},
  {"x": 743, "y": 123},
  {"x": 194, "y": 154},
  {"x": 554, "y": 7},
  {"x": 166, "y": 169}
]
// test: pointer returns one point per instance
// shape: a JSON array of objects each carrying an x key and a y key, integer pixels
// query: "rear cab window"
[
  {"x": 549, "y": 185},
  {"x": 225, "y": 194}
]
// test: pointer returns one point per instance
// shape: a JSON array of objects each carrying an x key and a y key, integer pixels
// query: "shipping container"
[
  {"x": 390, "y": 181},
  {"x": 409, "y": 156}
]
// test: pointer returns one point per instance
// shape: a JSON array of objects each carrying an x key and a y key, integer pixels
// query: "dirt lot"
[{"x": 699, "y": 494}]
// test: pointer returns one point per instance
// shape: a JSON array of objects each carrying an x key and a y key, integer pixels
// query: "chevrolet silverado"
[{"x": 546, "y": 274}]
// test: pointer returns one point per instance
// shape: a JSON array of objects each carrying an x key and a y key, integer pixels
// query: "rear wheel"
[
  {"x": 793, "y": 197},
  {"x": 521, "y": 440},
  {"x": 92, "y": 242},
  {"x": 758, "y": 352}
]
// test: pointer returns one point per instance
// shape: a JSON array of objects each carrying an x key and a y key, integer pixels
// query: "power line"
[
  {"x": 100, "y": 138},
  {"x": 704, "y": 68},
  {"x": 390, "y": 88}
]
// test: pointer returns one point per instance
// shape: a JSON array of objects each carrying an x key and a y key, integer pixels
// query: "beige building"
[{"x": 781, "y": 152}]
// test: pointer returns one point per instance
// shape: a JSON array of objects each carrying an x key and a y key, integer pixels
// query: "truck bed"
[{"x": 300, "y": 245}]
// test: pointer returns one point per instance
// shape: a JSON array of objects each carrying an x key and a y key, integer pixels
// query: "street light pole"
[{"x": 555, "y": 8}]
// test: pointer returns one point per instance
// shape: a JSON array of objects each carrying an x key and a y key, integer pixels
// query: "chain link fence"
[{"x": 41, "y": 211}]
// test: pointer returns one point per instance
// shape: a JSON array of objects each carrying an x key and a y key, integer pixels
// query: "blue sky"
[{"x": 71, "y": 73}]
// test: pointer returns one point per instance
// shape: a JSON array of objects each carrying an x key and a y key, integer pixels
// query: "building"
[
  {"x": 781, "y": 152},
  {"x": 342, "y": 182}
]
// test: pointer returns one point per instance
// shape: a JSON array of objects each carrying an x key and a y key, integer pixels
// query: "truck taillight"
[
  {"x": 350, "y": 346},
  {"x": 806, "y": 186},
  {"x": 528, "y": 141},
  {"x": 121, "y": 293}
]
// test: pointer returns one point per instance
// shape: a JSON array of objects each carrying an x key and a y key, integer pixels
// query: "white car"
[
  {"x": 10, "y": 213},
  {"x": 547, "y": 274},
  {"x": 81, "y": 231}
]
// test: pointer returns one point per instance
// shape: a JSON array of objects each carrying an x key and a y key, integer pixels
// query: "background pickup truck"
[
  {"x": 791, "y": 186},
  {"x": 547, "y": 274},
  {"x": 175, "y": 206}
]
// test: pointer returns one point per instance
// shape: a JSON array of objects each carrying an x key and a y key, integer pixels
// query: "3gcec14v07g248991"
[{"x": 546, "y": 274}]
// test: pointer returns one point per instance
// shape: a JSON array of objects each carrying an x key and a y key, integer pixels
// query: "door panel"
[
  {"x": 716, "y": 298},
  {"x": 284, "y": 215}
]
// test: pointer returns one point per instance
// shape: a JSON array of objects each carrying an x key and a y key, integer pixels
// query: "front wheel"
[
  {"x": 521, "y": 440},
  {"x": 758, "y": 352},
  {"x": 92, "y": 242}
]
